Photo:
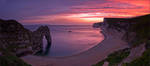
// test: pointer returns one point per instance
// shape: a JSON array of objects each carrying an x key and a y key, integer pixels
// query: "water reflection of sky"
[{"x": 71, "y": 40}]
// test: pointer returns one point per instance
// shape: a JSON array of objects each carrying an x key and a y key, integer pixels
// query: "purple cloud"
[{"x": 31, "y": 9}]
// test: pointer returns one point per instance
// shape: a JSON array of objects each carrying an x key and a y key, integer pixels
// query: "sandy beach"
[
  {"x": 110, "y": 44},
  {"x": 74, "y": 32}
]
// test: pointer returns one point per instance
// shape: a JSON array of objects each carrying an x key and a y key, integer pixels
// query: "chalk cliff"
[
  {"x": 136, "y": 32},
  {"x": 132, "y": 29}
]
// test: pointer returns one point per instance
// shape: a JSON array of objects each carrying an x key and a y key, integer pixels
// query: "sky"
[{"x": 70, "y": 12}]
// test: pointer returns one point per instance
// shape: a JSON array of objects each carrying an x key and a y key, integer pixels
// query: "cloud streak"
[{"x": 59, "y": 11}]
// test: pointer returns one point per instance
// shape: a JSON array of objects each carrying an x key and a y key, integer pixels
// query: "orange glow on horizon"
[
  {"x": 78, "y": 18},
  {"x": 71, "y": 12},
  {"x": 89, "y": 14},
  {"x": 93, "y": 19},
  {"x": 87, "y": 17}
]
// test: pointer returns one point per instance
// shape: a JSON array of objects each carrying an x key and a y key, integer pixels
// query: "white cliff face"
[
  {"x": 122, "y": 30},
  {"x": 111, "y": 33}
]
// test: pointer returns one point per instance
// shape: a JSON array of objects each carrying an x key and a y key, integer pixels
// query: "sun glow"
[
  {"x": 93, "y": 19},
  {"x": 89, "y": 17}
]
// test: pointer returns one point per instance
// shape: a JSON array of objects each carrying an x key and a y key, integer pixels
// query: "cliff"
[
  {"x": 134, "y": 29},
  {"x": 136, "y": 32},
  {"x": 96, "y": 25},
  {"x": 20, "y": 41}
]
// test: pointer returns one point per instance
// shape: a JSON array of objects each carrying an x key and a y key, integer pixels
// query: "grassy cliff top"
[{"x": 139, "y": 25}]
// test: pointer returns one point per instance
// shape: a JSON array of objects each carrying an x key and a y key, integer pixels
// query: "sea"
[{"x": 68, "y": 40}]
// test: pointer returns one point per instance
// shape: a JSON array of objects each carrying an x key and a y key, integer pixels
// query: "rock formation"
[
  {"x": 136, "y": 32},
  {"x": 37, "y": 38},
  {"x": 96, "y": 25},
  {"x": 20, "y": 41},
  {"x": 131, "y": 28}
]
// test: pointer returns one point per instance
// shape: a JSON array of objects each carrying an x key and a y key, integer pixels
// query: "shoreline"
[
  {"x": 75, "y": 54},
  {"x": 86, "y": 58}
]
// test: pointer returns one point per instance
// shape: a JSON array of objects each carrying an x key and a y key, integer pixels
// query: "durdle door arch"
[
  {"x": 38, "y": 42},
  {"x": 22, "y": 41}
]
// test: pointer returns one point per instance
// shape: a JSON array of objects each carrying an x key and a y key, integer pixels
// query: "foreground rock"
[{"x": 20, "y": 41}]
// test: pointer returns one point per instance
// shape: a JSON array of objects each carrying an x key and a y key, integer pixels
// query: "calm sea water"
[{"x": 71, "y": 39}]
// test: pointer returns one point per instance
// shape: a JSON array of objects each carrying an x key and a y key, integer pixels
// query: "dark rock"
[
  {"x": 21, "y": 41},
  {"x": 147, "y": 45},
  {"x": 69, "y": 31},
  {"x": 96, "y": 25},
  {"x": 37, "y": 38}
]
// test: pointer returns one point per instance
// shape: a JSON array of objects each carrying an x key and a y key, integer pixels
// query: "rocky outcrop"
[
  {"x": 37, "y": 38},
  {"x": 20, "y": 41},
  {"x": 96, "y": 25},
  {"x": 131, "y": 28},
  {"x": 135, "y": 31}
]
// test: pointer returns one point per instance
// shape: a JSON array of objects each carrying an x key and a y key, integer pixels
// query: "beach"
[
  {"x": 75, "y": 33},
  {"x": 110, "y": 44},
  {"x": 68, "y": 40}
]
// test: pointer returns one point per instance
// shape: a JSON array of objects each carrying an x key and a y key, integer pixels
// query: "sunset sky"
[{"x": 72, "y": 12}]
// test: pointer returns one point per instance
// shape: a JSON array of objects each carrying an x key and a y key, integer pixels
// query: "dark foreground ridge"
[
  {"x": 16, "y": 41},
  {"x": 136, "y": 33}
]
